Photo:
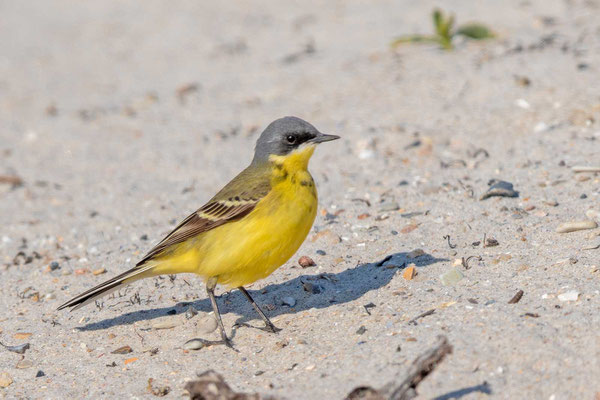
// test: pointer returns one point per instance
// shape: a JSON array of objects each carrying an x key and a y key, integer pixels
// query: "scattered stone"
[
  {"x": 416, "y": 253},
  {"x": 516, "y": 298},
  {"x": 130, "y": 360},
  {"x": 409, "y": 228},
  {"x": 195, "y": 344},
  {"x": 40, "y": 374},
  {"x": 22, "y": 335},
  {"x": 207, "y": 324},
  {"x": 288, "y": 301},
  {"x": 166, "y": 323},
  {"x": 576, "y": 226},
  {"x": 306, "y": 261},
  {"x": 409, "y": 272},
  {"x": 321, "y": 252},
  {"x": 551, "y": 203},
  {"x": 24, "y": 364},
  {"x": 361, "y": 330},
  {"x": 99, "y": 271},
  {"x": 190, "y": 313},
  {"x": 54, "y": 266},
  {"x": 572, "y": 295},
  {"x": 490, "y": 242},
  {"x": 451, "y": 277},
  {"x": 81, "y": 271},
  {"x": 584, "y": 168},
  {"x": 5, "y": 380},
  {"x": 499, "y": 188},
  {"x": 122, "y": 350}
]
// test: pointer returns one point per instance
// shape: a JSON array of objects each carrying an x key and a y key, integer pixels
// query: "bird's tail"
[{"x": 105, "y": 288}]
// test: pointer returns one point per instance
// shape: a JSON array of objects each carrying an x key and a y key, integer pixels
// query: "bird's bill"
[{"x": 322, "y": 137}]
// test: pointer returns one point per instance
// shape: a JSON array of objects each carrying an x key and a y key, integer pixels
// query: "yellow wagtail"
[{"x": 248, "y": 229}]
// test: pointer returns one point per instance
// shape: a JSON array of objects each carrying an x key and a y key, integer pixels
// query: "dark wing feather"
[{"x": 234, "y": 201}]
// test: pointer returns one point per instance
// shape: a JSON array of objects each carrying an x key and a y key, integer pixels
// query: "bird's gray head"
[{"x": 285, "y": 135}]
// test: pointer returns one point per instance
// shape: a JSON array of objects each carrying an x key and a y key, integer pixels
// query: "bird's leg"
[
  {"x": 268, "y": 324},
  {"x": 210, "y": 289}
]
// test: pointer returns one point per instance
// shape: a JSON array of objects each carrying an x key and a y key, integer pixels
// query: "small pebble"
[
  {"x": 99, "y": 271},
  {"x": 361, "y": 330},
  {"x": 572, "y": 295},
  {"x": 409, "y": 272},
  {"x": 5, "y": 380},
  {"x": 207, "y": 324},
  {"x": 451, "y": 277},
  {"x": 576, "y": 226},
  {"x": 195, "y": 344},
  {"x": 40, "y": 374},
  {"x": 584, "y": 168},
  {"x": 288, "y": 301},
  {"x": 122, "y": 350},
  {"x": 499, "y": 188},
  {"x": 306, "y": 262},
  {"x": 164, "y": 324},
  {"x": 54, "y": 266},
  {"x": 416, "y": 253},
  {"x": 321, "y": 252}
]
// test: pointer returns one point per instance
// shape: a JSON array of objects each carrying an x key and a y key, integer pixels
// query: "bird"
[{"x": 251, "y": 227}]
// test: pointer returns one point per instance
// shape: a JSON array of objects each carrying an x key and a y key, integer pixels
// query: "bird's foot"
[{"x": 269, "y": 327}]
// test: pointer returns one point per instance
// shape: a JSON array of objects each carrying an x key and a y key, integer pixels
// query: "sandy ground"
[{"x": 122, "y": 118}]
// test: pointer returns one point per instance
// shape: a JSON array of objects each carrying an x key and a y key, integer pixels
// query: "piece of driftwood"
[{"x": 211, "y": 386}]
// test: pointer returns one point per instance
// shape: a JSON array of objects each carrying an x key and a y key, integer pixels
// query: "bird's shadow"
[
  {"x": 307, "y": 291},
  {"x": 457, "y": 394}
]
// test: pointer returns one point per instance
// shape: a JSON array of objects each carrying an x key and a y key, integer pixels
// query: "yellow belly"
[{"x": 241, "y": 252}]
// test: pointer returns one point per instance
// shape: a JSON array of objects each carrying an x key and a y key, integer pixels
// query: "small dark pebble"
[
  {"x": 403, "y": 183},
  {"x": 311, "y": 288},
  {"x": 499, "y": 188},
  {"x": 144, "y": 237},
  {"x": 475, "y": 244},
  {"x": 562, "y": 163},
  {"x": 583, "y": 196},
  {"x": 532, "y": 315},
  {"x": 122, "y": 350},
  {"x": 582, "y": 66},
  {"x": 516, "y": 298},
  {"x": 398, "y": 349},
  {"x": 321, "y": 252},
  {"x": 39, "y": 374},
  {"x": 473, "y": 301},
  {"x": 93, "y": 214},
  {"x": 54, "y": 265},
  {"x": 361, "y": 330},
  {"x": 394, "y": 233},
  {"x": 113, "y": 364},
  {"x": 259, "y": 373},
  {"x": 491, "y": 242}
]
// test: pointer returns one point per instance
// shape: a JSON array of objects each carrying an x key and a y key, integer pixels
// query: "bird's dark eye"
[{"x": 291, "y": 139}]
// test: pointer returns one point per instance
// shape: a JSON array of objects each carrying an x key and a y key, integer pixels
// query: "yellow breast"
[{"x": 244, "y": 251}]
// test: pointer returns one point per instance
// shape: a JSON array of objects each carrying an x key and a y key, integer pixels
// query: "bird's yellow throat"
[{"x": 297, "y": 160}]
